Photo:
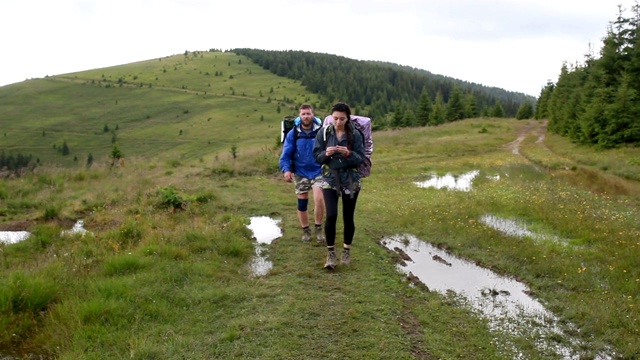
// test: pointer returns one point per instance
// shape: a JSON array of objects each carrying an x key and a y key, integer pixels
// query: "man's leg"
[
  {"x": 303, "y": 212},
  {"x": 303, "y": 186},
  {"x": 318, "y": 211}
]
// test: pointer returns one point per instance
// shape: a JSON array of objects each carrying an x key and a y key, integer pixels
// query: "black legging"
[{"x": 348, "y": 211}]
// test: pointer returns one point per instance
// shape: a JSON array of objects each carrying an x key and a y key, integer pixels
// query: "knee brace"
[{"x": 302, "y": 204}]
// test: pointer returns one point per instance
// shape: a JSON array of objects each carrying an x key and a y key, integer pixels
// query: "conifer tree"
[
  {"x": 542, "y": 105},
  {"x": 409, "y": 119},
  {"x": 455, "y": 107},
  {"x": 470, "y": 106},
  {"x": 525, "y": 111},
  {"x": 439, "y": 111},
  {"x": 65, "y": 148},
  {"x": 498, "y": 110},
  {"x": 424, "y": 108},
  {"x": 398, "y": 116}
]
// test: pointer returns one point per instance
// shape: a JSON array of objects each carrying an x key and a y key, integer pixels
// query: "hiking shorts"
[{"x": 303, "y": 185}]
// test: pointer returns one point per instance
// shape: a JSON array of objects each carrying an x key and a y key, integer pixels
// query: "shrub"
[
  {"x": 170, "y": 199},
  {"x": 51, "y": 212}
]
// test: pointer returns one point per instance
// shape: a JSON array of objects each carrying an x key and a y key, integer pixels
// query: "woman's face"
[{"x": 339, "y": 119}]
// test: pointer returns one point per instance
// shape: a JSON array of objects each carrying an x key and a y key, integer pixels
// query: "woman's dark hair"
[
  {"x": 342, "y": 107},
  {"x": 348, "y": 127}
]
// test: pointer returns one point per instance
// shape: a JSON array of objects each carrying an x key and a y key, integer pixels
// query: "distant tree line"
[
  {"x": 15, "y": 164},
  {"x": 598, "y": 102},
  {"x": 402, "y": 95}
]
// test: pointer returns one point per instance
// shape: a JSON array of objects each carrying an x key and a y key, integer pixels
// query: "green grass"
[{"x": 154, "y": 280}]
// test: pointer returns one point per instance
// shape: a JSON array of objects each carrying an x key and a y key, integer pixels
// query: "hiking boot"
[
  {"x": 320, "y": 239},
  {"x": 346, "y": 258},
  {"x": 331, "y": 260},
  {"x": 306, "y": 235}
]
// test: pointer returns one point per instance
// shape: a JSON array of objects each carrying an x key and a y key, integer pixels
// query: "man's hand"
[{"x": 288, "y": 176}]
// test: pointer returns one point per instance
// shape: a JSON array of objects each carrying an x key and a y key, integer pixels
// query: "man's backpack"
[
  {"x": 289, "y": 123},
  {"x": 363, "y": 125},
  {"x": 286, "y": 125}
]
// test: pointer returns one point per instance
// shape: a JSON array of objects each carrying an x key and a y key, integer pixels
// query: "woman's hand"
[
  {"x": 331, "y": 150},
  {"x": 343, "y": 149}
]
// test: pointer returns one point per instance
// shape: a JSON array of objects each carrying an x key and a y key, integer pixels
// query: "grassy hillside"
[
  {"x": 173, "y": 108},
  {"x": 149, "y": 282}
]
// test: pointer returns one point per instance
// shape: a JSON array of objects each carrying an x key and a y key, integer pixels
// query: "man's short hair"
[{"x": 306, "y": 106}]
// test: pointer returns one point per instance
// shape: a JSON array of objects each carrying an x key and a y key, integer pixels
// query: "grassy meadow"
[
  {"x": 164, "y": 271},
  {"x": 174, "y": 107}
]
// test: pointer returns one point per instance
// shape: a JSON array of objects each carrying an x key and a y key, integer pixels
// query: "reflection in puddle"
[
  {"x": 12, "y": 237},
  {"x": 462, "y": 182},
  {"x": 78, "y": 228},
  {"x": 265, "y": 230},
  {"x": 503, "y": 301},
  {"x": 513, "y": 228}
]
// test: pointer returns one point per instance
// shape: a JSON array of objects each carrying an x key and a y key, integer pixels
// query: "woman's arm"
[{"x": 356, "y": 155}]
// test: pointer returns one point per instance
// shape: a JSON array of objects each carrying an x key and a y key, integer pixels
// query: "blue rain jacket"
[{"x": 299, "y": 158}]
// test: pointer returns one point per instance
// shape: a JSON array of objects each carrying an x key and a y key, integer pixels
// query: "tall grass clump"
[
  {"x": 125, "y": 264},
  {"x": 24, "y": 299},
  {"x": 130, "y": 233}
]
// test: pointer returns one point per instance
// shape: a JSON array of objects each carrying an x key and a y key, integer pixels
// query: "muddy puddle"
[
  {"x": 265, "y": 230},
  {"x": 460, "y": 183},
  {"x": 503, "y": 301},
  {"x": 516, "y": 228}
]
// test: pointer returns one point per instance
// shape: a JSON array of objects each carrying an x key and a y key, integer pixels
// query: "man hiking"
[{"x": 298, "y": 165}]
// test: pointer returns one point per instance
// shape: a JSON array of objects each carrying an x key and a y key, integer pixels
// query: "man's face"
[{"x": 306, "y": 115}]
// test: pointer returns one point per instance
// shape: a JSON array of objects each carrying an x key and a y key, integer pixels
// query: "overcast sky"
[{"x": 513, "y": 44}]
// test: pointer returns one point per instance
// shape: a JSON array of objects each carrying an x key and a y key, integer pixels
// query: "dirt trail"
[{"x": 531, "y": 127}]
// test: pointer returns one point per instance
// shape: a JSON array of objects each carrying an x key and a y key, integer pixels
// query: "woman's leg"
[
  {"x": 348, "y": 213},
  {"x": 331, "y": 206}
]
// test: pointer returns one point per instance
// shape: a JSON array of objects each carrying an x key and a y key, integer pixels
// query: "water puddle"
[
  {"x": 12, "y": 237},
  {"x": 448, "y": 181},
  {"x": 504, "y": 301},
  {"x": 265, "y": 230},
  {"x": 515, "y": 228}
]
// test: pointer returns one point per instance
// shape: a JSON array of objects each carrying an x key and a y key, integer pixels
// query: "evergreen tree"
[
  {"x": 116, "y": 155},
  {"x": 542, "y": 105},
  {"x": 439, "y": 111},
  {"x": 424, "y": 108},
  {"x": 455, "y": 107},
  {"x": 65, "y": 148},
  {"x": 470, "y": 106},
  {"x": 525, "y": 111},
  {"x": 398, "y": 116},
  {"x": 498, "y": 110},
  {"x": 623, "y": 114},
  {"x": 409, "y": 119},
  {"x": 89, "y": 160}
]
